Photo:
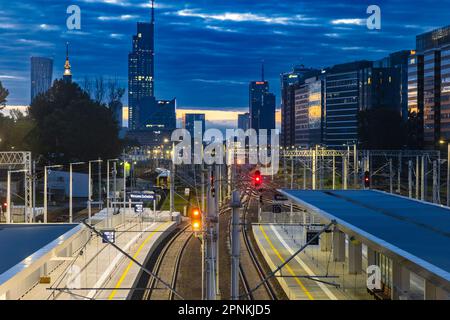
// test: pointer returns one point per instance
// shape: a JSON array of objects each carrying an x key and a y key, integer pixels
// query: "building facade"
[
  {"x": 189, "y": 120},
  {"x": 347, "y": 92},
  {"x": 309, "y": 112},
  {"x": 429, "y": 85},
  {"x": 140, "y": 73},
  {"x": 262, "y": 106},
  {"x": 41, "y": 75},
  {"x": 244, "y": 121},
  {"x": 289, "y": 83}
]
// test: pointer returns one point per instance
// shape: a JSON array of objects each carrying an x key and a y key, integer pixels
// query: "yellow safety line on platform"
[
  {"x": 124, "y": 274},
  {"x": 283, "y": 261}
]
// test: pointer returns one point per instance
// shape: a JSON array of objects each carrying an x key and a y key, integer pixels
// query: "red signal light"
[
  {"x": 257, "y": 179},
  {"x": 367, "y": 179}
]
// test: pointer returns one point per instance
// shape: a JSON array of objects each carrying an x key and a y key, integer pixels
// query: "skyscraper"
[
  {"x": 289, "y": 83},
  {"x": 41, "y": 75},
  {"x": 429, "y": 84},
  {"x": 309, "y": 112},
  {"x": 141, "y": 71},
  {"x": 244, "y": 121},
  {"x": 348, "y": 90},
  {"x": 189, "y": 120},
  {"x": 67, "y": 68},
  {"x": 261, "y": 105}
]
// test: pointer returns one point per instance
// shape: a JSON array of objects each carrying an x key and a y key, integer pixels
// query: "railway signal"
[
  {"x": 366, "y": 179},
  {"x": 257, "y": 178},
  {"x": 196, "y": 220}
]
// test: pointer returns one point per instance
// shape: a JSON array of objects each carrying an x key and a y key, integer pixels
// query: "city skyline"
[{"x": 197, "y": 56}]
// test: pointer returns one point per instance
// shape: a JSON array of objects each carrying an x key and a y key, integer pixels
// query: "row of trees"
[{"x": 64, "y": 124}]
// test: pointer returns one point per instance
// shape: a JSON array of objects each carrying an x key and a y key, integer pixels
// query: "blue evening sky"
[{"x": 206, "y": 50}]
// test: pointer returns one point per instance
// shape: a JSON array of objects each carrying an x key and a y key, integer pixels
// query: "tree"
[
  {"x": 15, "y": 131},
  {"x": 3, "y": 95},
  {"x": 70, "y": 126},
  {"x": 381, "y": 128}
]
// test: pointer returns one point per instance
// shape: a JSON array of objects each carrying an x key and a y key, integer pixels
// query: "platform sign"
[
  {"x": 280, "y": 199},
  {"x": 139, "y": 208},
  {"x": 310, "y": 235},
  {"x": 108, "y": 236},
  {"x": 142, "y": 196}
]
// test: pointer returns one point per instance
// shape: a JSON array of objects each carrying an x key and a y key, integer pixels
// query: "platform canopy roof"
[
  {"x": 412, "y": 230},
  {"x": 21, "y": 241}
]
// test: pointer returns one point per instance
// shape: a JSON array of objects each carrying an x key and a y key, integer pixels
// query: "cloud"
[
  {"x": 35, "y": 43},
  {"x": 9, "y": 77},
  {"x": 243, "y": 17},
  {"x": 10, "y": 26},
  {"x": 220, "y": 82},
  {"x": 48, "y": 27},
  {"x": 352, "y": 48},
  {"x": 123, "y": 17},
  {"x": 356, "y": 22},
  {"x": 332, "y": 35},
  {"x": 220, "y": 29},
  {"x": 116, "y": 35}
]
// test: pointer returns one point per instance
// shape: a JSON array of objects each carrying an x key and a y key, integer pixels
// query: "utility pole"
[
  {"x": 334, "y": 172},
  {"x": 355, "y": 165},
  {"x": 99, "y": 181},
  {"x": 8, "y": 198},
  {"x": 89, "y": 193},
  {"x": 235, "y": 244},
  {"x": 417, "y": 178},
  {"x": 46, "y": 168},
  {"x": 448, "y": 175},
  {"x": 211, "y": 239},
  {"x": 435, "y": 183},
  {"x": 172, "y": 183},
  {"x": 423, "y": 181},
  {"x": 410, "y": 164},
  {"x": 45, "y": 196},
  {"x": 124, "y": 185},
  {"x": 314, "y": 168},
  {"x": 33, "y": 218},
  {"x": 292, "y": 172},
  {"x": 115, "y": 184},
  {"x": 391, "y": 188},
  {"x": 217, "y": 183},
  {"x": 399, "y": 174},
  {"x": 344, "y": 172}
]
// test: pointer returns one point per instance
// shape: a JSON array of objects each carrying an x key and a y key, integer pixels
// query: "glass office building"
[
  {"x": 290, "y": 82},
  {"x": 140, "y": 73},
  {"x": 262, "y": 106},
  {"x": 429, "y": 84},
  {"x": 41, "y": 75},
  {"x": 348, "y": 90},
  {"x": 309, "y": 112}
]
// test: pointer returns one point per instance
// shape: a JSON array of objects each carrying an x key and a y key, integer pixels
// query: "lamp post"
[
  {"x": 124, "y": 184},
  {"x": 8, "y": 194},
  {"x": 46, "y": 168},
  {"x": 107, "y": 188},
  {"x": 448, "y": 170},
  {"x": 90, "y": 187},
  {"x": 71, "y": 189}
]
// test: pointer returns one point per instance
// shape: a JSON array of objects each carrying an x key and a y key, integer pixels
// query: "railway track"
[
  {"x": 167, "y": 267},
  {"x": 251, "y": 272},
  {"x": 270, "y": 292}
]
